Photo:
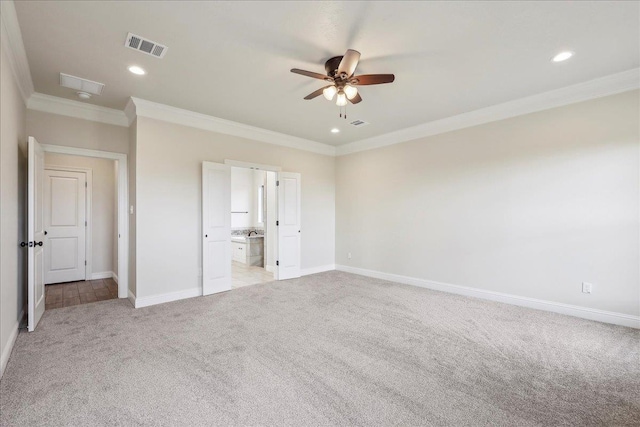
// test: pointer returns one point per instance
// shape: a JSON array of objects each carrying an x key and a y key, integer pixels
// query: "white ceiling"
[{"x": 232, "y": 59}]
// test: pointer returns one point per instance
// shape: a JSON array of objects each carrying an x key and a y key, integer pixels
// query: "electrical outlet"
[
  {"x": 349, "y": 255},
  {"x": 586, "y": 287}
]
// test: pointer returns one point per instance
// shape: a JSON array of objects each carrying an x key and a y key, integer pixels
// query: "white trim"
[
  {"x": 114, "y": 276},
  {"x": 132, "y": 298},
  {"x": 555, "y": 307},
  {"x": 77, "y": 109},
  {"x": 179, "y": 116},
  {"x": 604, "y": 86},
  {"x": 6, "y": 353},
  {"x": 88, "y": 232},
  {"x": 600, "y": 87},
  {"x": 11, "y": 37},
  {"x": 249, "y": 165},
  {"x": 102, "y": 275},
  {"x": 168, "y": 297},
  {"x": 123, "y": 205},
  {"x": 319, "y": 269}
]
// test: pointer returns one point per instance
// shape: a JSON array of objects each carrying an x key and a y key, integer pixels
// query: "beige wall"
[
  {"x": 169, "y": 193},
  {"x": 531, "y": 206},
  {"x": 12, "y": 224},
  {"x": 103, "y": 207},
  {"x": 69, "y": 131}
]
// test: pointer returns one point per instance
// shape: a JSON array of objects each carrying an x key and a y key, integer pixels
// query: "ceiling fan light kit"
[
  {"x": 329, "y": 92},
  {"x": 340, "y": 74}
]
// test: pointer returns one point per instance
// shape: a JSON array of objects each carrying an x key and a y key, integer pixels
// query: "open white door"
[
  {"x": 288, "y": 261},
  {"x": 216, "y": 228},
  {"x": 35, "y": 232}
]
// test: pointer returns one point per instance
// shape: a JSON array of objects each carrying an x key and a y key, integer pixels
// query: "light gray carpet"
[{"x": 327, "y": 349}]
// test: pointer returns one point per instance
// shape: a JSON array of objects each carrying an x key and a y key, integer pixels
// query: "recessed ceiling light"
[
  {"x": 562, "y": 56},
  {"x": 335, "y": 130},
  {"x": 137, "y": 70}
]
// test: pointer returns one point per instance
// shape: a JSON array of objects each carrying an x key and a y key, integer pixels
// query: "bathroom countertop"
[{"x": 245, "y": 238}]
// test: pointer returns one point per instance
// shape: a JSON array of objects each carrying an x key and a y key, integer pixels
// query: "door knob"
[{"x": 38, "y": 243}]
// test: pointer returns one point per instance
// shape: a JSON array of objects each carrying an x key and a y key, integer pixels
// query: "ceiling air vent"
[
  {"x": 82, "y": 85},
  {"x": 358, "y": 123},
  {"x": 145, "y": 46}
]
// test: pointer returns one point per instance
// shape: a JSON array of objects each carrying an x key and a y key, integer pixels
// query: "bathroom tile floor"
[
  {"x": 245, "y": 275},
  {"x": 83, "y": 292}
]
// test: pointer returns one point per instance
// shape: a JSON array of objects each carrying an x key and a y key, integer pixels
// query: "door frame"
[
  {"x": 268, "y": 168},
  {"x": 123, "y": 205},
  {"x": 88, "y": 252}
]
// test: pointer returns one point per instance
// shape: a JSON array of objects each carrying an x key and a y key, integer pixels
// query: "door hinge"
[
  {"x": 85, "y": 223},
  {"x": 277, "y": 222},
  {"x": 85, "y": 262},
  {"x": 85, "y": 184},
  {"x": 277, "y": 262},
  {"x": 277, "y": 183}
]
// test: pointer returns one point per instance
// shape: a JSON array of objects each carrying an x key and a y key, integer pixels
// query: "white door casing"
[
  {"x": 216, "y": 228},
  {"x": 288, "y": 194},
  {"x": 35, "y": 233},
  {"x": 65, "y": 223}
]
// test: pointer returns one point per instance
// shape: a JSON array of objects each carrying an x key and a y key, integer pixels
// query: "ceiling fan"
[{"x": 340, "y": 75}]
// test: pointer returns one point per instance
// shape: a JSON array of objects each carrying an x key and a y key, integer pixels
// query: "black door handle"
[
  {"x": 38, "y": 243},
  {"x": 23, "y": 244}
]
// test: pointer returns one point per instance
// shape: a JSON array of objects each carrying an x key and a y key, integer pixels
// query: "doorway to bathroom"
[
  {"x": 280, "y": 204},
  {"x": 253, "y": 226}
]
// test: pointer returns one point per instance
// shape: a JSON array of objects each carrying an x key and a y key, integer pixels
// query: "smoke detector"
[
  {"x": 145, "y": 46},
  {"x": 84, "y": 95},
  {"x": 85, "y": 86}
]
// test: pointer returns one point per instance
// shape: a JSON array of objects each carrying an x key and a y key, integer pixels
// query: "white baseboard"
[
  {"x": 168, "y": 297},
  {"x": 6, "y": 353},
  {"x": 131, "y": 298},
  {"x": 270, "y": 268},
  {"x": 114, "y": 276},
  {"x": 556, "y": 307},
  {"x": 320, "y": 269},
  {"x": 102, "y": 275}
]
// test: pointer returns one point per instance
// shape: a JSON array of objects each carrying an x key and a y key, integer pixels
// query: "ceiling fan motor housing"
[{"x": 331, "y": 66}]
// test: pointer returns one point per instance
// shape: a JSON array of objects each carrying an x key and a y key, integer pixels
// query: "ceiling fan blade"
[
  {"x": 311, "y": 74},
  {"x": 373, "y": 79},
  {"x": 316, "y": 93},
  {"x": 349, "y": 62},
  {"x": 355, "y": 99}
]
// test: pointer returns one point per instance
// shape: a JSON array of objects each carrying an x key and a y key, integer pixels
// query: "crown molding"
[
  {"x": 13, "y": 44},
  {"x": 604, "y": 86},
  {"x": 130, "y": 111},
  {"x": 153, "y": 110},
  {"x": 77, "y": 109}
]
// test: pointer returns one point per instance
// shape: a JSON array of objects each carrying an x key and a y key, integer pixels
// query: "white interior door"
[
  {"x": 65, "y": 226},
  {"x": 216, "y": 228},
  {"x": 35, "y": 232},
  {"x": 288, "y": 189}
]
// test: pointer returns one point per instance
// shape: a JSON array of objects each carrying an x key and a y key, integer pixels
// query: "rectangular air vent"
[
  {"x": 358, "y": 123},
  {"x": 145, "y": 46},
  {"x": 82, "y": 85}
]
